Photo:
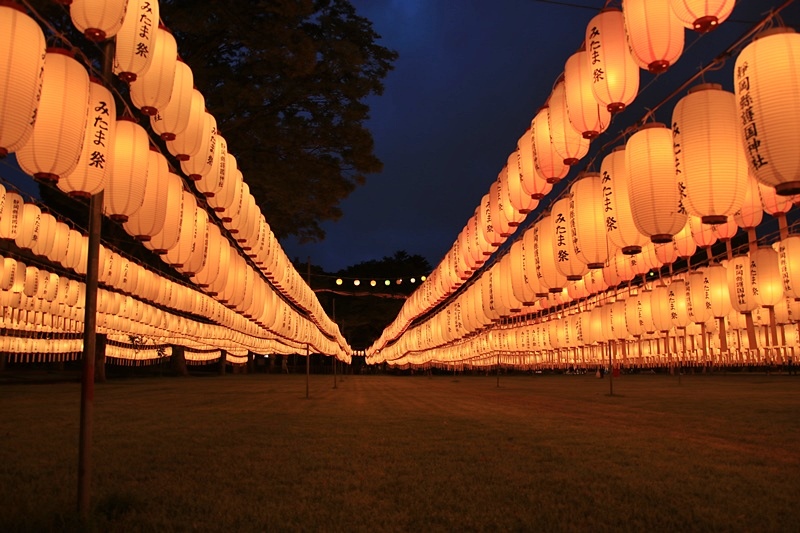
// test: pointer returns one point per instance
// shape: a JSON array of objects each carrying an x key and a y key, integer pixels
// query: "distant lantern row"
[
  {"x": 64, "y": 128},
  {"x": 732, "y": 297}
]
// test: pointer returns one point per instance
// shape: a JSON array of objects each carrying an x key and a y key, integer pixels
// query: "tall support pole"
[
  {"x": 610, "y": 368},
  {"x": 308, "y": 368},
  {"x": 333, "y": 357},
  {"x": 498, "y": 369},
  {"x": 90, "y": 334}
]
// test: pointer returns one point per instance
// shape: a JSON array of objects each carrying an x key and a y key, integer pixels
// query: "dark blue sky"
[{"x": 470, "y": 77}]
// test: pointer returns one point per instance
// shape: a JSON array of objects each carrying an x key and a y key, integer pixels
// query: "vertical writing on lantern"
[
  {"x": 562, "y": 253},
  {"x": 537, "y": 252},
  {"x": 100, "y": 125},
  {"x": 748, "y": 118},
  {"x": 611, "y": 221},
  {"x": 784, "y": 265},
  {"x": 676, "y": 149},
  {"x": 739, "y": 281},
  {"x": 753, "y": 276},
  {"x": 575, "y": 243},
  {"x": 594, "y": 52},
  {"x": 145, "y": 25}
]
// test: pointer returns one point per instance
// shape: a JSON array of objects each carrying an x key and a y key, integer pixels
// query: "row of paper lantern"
[
  {"x": 766, "y": 277},
  {"x": 532, "y": 266},
  {"x": 32, "y": 289},
  {"x": 529, "y": 347},
  {"x": 704, "y": 166},
  {"x": 77, "y": 141}
]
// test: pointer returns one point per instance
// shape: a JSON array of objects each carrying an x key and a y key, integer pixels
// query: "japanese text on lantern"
[
  {"x": 784, "y": 266},
  {"x": 752, "y": 143},
  {"x": 97, "y": 158},
  {"x": 145, "y": 24},
  {"x": 676, "y": 150},
  {"x": 738, "y": 279},
  {"x": 594, "y": 55},
  {"x": 673, "y": 311},
  {"x": 608, "y": 193},
  {"x": 707, "y": 292},
  {"x": 561, "y": 237},
  {"x": 753, "y": 277},
  {"x": 536, "y": 251},
  {"x": 572, "y": 216}
]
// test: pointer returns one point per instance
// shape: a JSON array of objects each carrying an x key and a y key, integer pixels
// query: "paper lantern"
[
  {"x": 709, "y": 159},
  {"x": 549, "y": 277},
  {"x": 125, "y": 187},
  {"x": 587, "y": 219},
  {"x": 615, "y": 75},
  {"x": 189, "y": 141},
  {"x": 638, "y": 314},
  {"x": 789, "y": 262},
  {"x": 98, "y": 20},
  {"x": 585, "y": 114},
  {"x": 57, "y": 253},
  {"x": 152, "y": 90},
  {"x": 207, "y": 163},
  {"x": 199, "y": 244},
  {"x": 620, "y": 227},
  {"x": 535, "y": 185},
  {"x": 183, "y": 106},
  {"x": 136, "y": 40},
  {"x": 772, "y": 202},
  {"x": 677, "y": 295},
  {"x": 10, "y": 214},
  {"x": 520, "y": 199},
  {"x": 717, "y": 294},
  {"x": 28, "y": 225},
  {"x": 752, "y": 211},
  {"x": 96, "y": 162},
  {"x": 566, "y": 259},
  {"x": 703, "y": 234},
  {"x": 567, "y": 142},
  {"x": 702, "y": 15},
  {"x": 765, "y": 276},
  {"x": 766, "y": 82},
  {"x": 684, "y": 242},
  {"x": 546, "y": 162},
  {"x": 727, "y": 230},
  {"x": 167, "y": 238},
  {"x": 54, "y": 147},
  {"x": 149, "y": 219},
  {"x": 487, "y": 224},
  {"x": 654, "y": 196},
  {"x": 22, "y": 54},
  {"x": 697, "y": 287},
  {"x": 740, "y": 285},
  {"x": 655, "y": 34},
  {"x": 511, "y": 216}
]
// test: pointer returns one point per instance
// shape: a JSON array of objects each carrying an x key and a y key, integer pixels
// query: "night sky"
[{"x": 470, "y": 77}]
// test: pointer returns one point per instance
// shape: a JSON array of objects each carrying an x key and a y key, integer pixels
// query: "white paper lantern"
[
  {"x": 615, "y": 75},
  {"x": 135, "y": 40},
  {"x": 151, "y": 91},
  {"x": 125, "y": 188},
  {"x": 585, "y": 114},
  {"x": 702, "y": 15},
  {"x": 98, "y": 20}
]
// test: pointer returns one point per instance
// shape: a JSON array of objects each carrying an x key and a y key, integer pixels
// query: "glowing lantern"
[
  {"x": 28, "y": 224},
  {"x": 511, "y": 216},
  {"x": 566, "y": 259},
  {"x": 96, "y": 162},
  {"x": 174, "y": 117},
  {"x": 765, "y": 276},
  {"x": 789, "y": 261},
  {"x": 60, "y": 239},
  {"x": 568, "y": 142},
  {"x": 684, "y": 242},
  {"x": 638, "y": 314},
  {"x": 167, "y": 238},
  {"x": 487, "y": 224},
  {"x": 740, "y": 284},
  {"x": 149, "y": 219},
  {"x": 615, "y": 75},
  {"x": 210, "y": 160},
  {"x": 766, "y": 80},
  {"x": 773, "y": 203},
  {"x": 677, "y": 295},
  {"x": 655, "y": 198},
  {"x": 520, "y": 199},
  {"x": 22, "y": 54},
  {"x": 200, "y": 126},
  {"x": 585, "y": 114},
  {"x": 702, "y": 15},
  {"x": 528, "y": 262},
  {"x": 10, "y": 214},
  {"x": 727, "y": 230},
  {"x": 717, "y": 294},
  {"x": 532, "y": 182},
  {"x": 136, "y": 40},
  {"x": 587, "y": 219},
  {"x": 655, "y": 34},
  {"x": 152, "y": 90},
  {"x": 703, "y": 234},
  {"x": 125, "y": 188},
  {"x": 619, "y": 224},
  {"x": 98, "y": 20},
  {"x": 709, "y": 158},
  {"x": 752, "y": 211},
  {"x": 546, "y": 161},
  {"x": 55, "y": 145},
  {"x": 697, "y": 287},
  {"x": 550, "y": 278}
]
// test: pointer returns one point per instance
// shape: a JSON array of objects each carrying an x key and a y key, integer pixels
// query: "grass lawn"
[{"x": 383, "y": 453}]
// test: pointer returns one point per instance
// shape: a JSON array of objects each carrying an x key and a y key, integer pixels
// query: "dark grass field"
[{"x": 413, "y": 453}]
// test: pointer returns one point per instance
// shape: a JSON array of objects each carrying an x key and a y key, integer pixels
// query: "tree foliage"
[{"x": 286, "y": 81}]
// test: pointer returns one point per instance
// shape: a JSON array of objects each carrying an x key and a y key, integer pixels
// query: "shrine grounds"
[{"x": 415, "y": 453}]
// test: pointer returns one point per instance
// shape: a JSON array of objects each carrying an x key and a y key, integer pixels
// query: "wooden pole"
[
  {"x": 308, "y": 368},
  {"x": 89, "y": 346},
  {"x": 610, "y": 369},
  {"x": 333, "y": 357}
]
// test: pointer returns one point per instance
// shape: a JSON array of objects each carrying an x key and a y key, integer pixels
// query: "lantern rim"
[
  {"x": 631, "y": 250},
  {"x": 789, "y": 188}
]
